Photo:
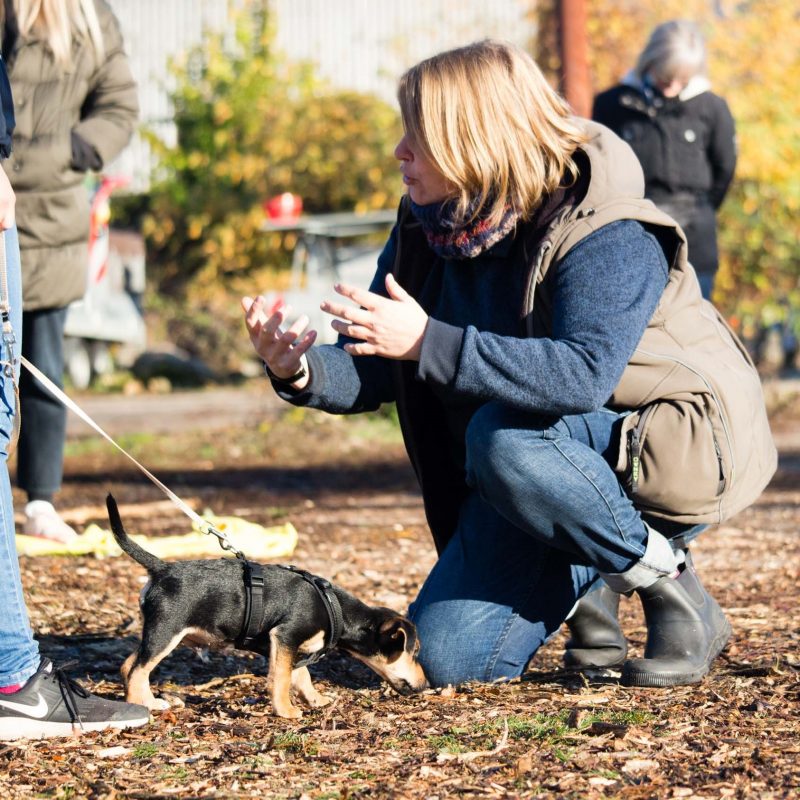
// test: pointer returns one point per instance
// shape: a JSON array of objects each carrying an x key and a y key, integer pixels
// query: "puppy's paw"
[
  {"x": 289, "y": 712},
  {"x": 158, "y": 704},
  {"x": 318, "y": 700}
]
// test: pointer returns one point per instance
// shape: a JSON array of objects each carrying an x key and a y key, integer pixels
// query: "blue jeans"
[
  {"x": 545, "y": 515},
  {"x": 19, "y": 652}
]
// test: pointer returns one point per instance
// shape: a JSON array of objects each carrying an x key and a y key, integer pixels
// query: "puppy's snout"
[{"x": 406, "y": 687}]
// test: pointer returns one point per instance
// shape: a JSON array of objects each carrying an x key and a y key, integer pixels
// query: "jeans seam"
[{"x": 594, "y": 485}]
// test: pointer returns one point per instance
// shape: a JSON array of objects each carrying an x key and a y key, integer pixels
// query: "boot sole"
[
  {"x": 585, "y": 660},
  {"x": 638, "y": 676}
]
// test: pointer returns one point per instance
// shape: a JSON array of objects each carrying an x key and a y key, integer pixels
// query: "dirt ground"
[{"x": 347, "y": 488}]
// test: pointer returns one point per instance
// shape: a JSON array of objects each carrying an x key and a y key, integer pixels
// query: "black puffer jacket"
[{"x": 686, "y": 146}]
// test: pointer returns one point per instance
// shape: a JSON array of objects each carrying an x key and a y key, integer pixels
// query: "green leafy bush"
[{"x": 252, "y": 125}]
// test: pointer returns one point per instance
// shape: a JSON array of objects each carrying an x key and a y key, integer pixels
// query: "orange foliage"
[{"x": 754, "y": 63}]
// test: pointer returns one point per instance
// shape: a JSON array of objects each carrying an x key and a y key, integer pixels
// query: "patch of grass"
[
  {"x": 539, "y": 726},
  {"x": 556, "y": 726},
  {"x": 295, "y": 743},
  {"x": 145, "y": 750},
  {"x": 362, "y": 775},
  {"x": 178, "y": 774},
  {"x": 93, "y": 445},
  {"x": 609, "y": 774},
  {"x": 632, "y": 717},
  {"x": 448, "y": 742},
  {"x": 259, "y": 761}
]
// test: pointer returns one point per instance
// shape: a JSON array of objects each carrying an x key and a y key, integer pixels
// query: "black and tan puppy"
[{"x": 204, "y": 603}]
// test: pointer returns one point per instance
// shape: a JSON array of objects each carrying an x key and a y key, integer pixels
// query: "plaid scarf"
[{"x": 449, "y": 238}]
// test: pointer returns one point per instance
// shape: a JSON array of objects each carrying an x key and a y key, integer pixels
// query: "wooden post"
[{"x": 575, "y": 80}]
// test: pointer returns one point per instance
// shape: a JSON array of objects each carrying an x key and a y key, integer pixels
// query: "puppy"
[{"x": 206, "y": 603}]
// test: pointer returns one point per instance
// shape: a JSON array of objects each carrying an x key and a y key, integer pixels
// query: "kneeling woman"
[{"x": 574, "y": 410}]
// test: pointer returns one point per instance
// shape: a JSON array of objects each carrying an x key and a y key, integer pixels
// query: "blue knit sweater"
[{"x": 605, "y": 291}]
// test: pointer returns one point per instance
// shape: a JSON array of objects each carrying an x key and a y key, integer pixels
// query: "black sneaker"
[{"x": 51, "y": 704}]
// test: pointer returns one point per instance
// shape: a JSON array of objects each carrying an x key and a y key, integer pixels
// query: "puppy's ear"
[{"x": 393, "y": 636}]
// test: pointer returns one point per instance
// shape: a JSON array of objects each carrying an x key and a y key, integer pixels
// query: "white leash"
[{"x": 205, "y": 526}]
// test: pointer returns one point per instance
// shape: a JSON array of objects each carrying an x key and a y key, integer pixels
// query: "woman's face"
[
  {"x": 425, "y": 183},
  {"x": 671, "y": 85}
]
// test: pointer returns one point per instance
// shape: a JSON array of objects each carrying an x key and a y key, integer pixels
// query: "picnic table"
[{"x": 325, "y": 253}]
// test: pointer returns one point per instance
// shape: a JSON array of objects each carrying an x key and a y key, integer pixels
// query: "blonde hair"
[
  {"x": 489, "y": 121},
  {"x": 59, "y": 22},
  {"x": 675, "y": 49}
]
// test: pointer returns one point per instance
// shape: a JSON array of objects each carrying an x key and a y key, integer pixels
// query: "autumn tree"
[{"x": 754, "y": 62}]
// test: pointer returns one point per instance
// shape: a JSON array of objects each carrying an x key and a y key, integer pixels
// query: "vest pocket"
[{"x": 672, "y": 459}]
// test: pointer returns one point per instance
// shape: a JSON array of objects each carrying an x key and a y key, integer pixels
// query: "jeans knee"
[
  {"x": 461, "y": 644},
  {"x": 487, "y": 441}
]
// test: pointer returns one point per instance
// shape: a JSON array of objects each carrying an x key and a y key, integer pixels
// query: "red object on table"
[{"x": 284, "y": 206}]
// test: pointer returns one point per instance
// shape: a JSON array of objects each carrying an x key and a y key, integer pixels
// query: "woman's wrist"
[{"x": 297, "y": 380}]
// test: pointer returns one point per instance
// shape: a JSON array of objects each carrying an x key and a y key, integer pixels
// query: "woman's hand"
[
  {"x": 392, "y": 326},
  {"x": 280, "y": 350},
  {"x": 7, "y": 202}
]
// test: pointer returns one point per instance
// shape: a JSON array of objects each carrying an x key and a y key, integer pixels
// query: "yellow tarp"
[{"x": 255, "y": 541}]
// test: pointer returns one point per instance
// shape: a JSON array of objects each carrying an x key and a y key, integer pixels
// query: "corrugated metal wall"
[{"x": 359, "y": 44}]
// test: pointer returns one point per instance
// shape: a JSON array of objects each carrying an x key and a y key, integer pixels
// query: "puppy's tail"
[{"x": 150, "y": 562}]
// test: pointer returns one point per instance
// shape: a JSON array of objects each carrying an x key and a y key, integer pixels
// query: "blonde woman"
[
  {"x": 544, "y": 338},
  {"x": 682, "y": 133},
  {"x": 76, "y": 107}
]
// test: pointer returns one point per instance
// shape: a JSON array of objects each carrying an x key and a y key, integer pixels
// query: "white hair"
[{"x": 675, "y": 49}]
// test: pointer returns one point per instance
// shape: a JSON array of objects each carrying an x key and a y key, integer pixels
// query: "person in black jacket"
[{"x": 682, "y": 133}]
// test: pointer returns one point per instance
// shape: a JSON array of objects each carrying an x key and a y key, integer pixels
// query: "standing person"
[
  {"x": 76, "y": 110},
  {"x": 36, "y": 698},
  {"x": 569, "y": 402},
  {"x": 682, "y": 133}
]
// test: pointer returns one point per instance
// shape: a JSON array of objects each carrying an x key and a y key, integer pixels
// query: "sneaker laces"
[{"x": 70, "y": 690}]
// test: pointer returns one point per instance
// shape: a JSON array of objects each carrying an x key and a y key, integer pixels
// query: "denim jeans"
[
  {"x": 40, "y": 460},
  {"x": 19, "y": 652},
  {"x": 545, "y": 515}
]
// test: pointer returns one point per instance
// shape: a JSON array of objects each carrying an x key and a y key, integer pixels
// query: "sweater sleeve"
[{"x": 605, "y": 291}]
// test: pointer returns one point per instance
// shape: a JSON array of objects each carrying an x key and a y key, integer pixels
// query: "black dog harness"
[{"x": 254, "y": 608}]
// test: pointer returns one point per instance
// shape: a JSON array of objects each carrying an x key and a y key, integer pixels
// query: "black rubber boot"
[
  {"x": 597, "y": 641},
  {"x": 686, "y": 631}
]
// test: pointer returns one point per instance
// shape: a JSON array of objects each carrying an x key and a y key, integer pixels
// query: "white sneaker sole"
[{"x": 13, "y": 728}]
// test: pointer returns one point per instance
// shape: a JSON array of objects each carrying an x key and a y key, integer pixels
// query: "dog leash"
[
  {"x": 205, "y": 526},
  {"x": 253, "y": 572}
]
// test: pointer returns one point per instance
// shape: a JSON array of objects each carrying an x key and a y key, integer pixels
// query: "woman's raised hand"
[
  {"x": 392, "y": 327},
  {"x": 281, "y": 350}
]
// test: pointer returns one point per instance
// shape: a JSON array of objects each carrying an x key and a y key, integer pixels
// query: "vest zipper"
[
  {"x": 635, "y": 443},
  {"x": 721, "y": 465}
]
